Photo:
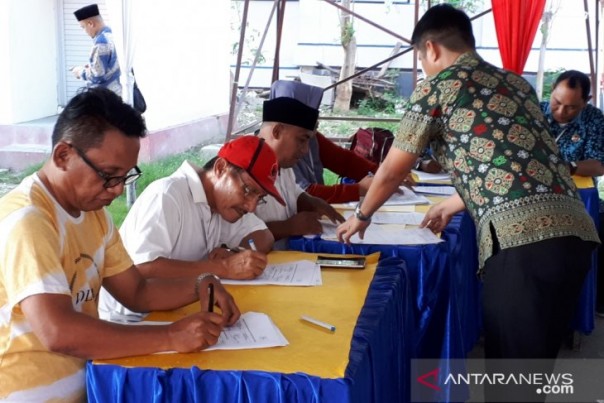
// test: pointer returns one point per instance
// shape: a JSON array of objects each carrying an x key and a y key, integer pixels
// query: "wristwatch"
[
  {"x": 359, "y": 215},
  {"x": 573, "y": 167}
]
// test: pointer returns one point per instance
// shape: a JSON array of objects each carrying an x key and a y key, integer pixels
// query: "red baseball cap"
[{"x": 255, "y": 157}]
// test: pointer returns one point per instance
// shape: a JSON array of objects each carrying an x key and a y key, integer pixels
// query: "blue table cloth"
[
  {"x": 378, "y": 368},
  {"x": 584, "y": 316},
  {"x": 446, "y": 290}
]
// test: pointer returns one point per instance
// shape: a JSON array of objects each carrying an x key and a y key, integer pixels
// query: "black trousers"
[
  {"x": 529, "y": 296},
  {"x": 600, "y": 274}
]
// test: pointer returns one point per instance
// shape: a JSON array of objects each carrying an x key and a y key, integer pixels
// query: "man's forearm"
[{"x": 172, "y": 268}]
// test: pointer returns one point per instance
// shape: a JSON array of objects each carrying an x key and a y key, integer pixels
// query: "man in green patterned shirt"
[{"x": 485, "y": 127}]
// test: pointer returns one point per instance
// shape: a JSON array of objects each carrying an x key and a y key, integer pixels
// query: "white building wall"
[
  {"x": 28, "y": 67},
  {"x": 182, "y": 59}
]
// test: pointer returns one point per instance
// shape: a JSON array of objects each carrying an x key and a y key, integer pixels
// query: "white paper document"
[
  {"x": 385, "y": 217},
  {"x": 392, "y": 235},
  {"x": 405, "y": 197},
  {"x": 435, "y": 190},
  {"x": 426, "y": 177},
  {"x": 252, "y": 330},
  {"x": 296, "y": 273}
]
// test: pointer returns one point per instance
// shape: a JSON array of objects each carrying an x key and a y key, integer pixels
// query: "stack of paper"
[
  {"x": 435, "y": 190},
  {"x": 392, "y": 235},
  {"x": 410, "y": 218},
  {"x": 442, "y": 177},
  {"x": 296, "y": 273},
  {"x": 405, "y": 197}
]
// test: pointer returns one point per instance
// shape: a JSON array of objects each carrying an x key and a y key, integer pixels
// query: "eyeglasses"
[
  {"x": 110, "y": 181},
  {"x": 248, "y": 192}
]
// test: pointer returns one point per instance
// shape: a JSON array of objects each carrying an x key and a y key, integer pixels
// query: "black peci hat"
[
  {"x": 86, "y": 12},
  {"x": 290, "y": 111}
]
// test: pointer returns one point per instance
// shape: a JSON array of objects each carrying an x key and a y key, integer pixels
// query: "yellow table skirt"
[{"x": 311, "y": 350}]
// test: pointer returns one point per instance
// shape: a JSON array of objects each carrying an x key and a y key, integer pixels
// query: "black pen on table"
[{"x": 211, "y": 297}]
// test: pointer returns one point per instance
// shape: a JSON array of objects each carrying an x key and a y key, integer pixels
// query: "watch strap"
[{"x": 359, "y": 214}]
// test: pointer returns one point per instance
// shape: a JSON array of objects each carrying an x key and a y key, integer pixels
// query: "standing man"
[
  {"x": 103, "y": 69},
  {"x": 58, "y": 245},
  {"x": 487, "y": 130},
  {"x": 576, "y": 125}
]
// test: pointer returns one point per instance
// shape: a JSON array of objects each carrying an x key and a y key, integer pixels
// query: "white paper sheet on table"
[
  {"x": 435, "y": 190},
  {"x": 392, "y": 235},
  {"x": 427, "y": 177},
  {"x": 252, "y": 330},
  {"x": 406, "y": 197},
  {"x": 410, "y": 218},
  {"x": 296, "y": 273}
]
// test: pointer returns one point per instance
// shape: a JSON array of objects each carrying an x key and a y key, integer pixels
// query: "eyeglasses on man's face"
[
  {"x": 250, "y": 193},
  {"x": 110, "y": 181}
]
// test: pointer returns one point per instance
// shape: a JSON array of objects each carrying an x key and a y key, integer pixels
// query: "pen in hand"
[
  {"x": 211, "y": 297},
  {"x": 252, "y": 245}
]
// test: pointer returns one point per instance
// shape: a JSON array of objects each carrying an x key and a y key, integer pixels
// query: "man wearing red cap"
[
  {"x": 102, "y": 69},
  {"x": 190, "y": 214}
]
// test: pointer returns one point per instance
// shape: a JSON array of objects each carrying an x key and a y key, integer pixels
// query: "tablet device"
[{"x": 334, "y": 262}]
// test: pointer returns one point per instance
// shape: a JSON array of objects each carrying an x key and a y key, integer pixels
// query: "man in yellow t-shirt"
[{"x": 58, "y": 245}]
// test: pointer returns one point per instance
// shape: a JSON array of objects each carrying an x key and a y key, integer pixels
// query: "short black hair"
[
  {"x": 93, "y": 111},
  {"x": 575, "y": 79},
  {"x": 445, "y": 25}
]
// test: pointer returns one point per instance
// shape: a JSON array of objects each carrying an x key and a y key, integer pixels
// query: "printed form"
[
  {"x": 252, "y": 330},
  {"x": 296, "y": 273}
]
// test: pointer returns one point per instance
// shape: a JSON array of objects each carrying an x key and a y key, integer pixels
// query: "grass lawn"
[
  {"x": 152, "y": 171},
  {"x": 165, "y": 167}
]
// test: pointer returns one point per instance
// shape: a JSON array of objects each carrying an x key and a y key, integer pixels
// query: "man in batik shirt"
[
  {"x": 576, "y": 125},
  {"x": 485, "y": 127}
]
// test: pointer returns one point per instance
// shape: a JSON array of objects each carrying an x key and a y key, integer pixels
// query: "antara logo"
[{"x": 423, "y": 379}]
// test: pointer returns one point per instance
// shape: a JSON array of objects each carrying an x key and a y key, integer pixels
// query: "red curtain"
[{"x": 516, "y": 22}]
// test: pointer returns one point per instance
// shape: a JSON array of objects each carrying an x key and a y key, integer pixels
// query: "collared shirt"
[
  {"x": 103, "y": 69},
  {"x": 44, "y": 250},
  {"x": 486, "y": 128},
  {"x": 172, "y": 219},
  {"x": 272, "y": 210},
  {"x": 580, "y": 139}
]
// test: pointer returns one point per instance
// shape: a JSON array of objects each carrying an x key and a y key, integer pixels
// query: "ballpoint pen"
[
  {"x": 317, "y": 322},
  {"x": 211, "y": 297},
  {"x": 252, "y": 245}
]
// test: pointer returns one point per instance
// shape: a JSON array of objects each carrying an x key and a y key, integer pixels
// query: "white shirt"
[
  {"x": 273, "y": 211},
  {"x": 172, "y": 219}
]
